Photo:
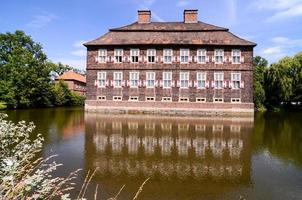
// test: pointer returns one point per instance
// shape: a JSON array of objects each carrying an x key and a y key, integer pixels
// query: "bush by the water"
[{"x": 65, "y": 97}]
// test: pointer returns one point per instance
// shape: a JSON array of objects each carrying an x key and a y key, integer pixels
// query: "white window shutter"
[
  {"x": 230, "y": 84},
  {"x": 242, "y": 59},
  {"x": 190, "y": 59},
  {"x": 95, "y": 83},
  {"x": 225, "y": 59},
  {"x": 156, "y": 83},
  {"x": 173, "y": 83},
  {"x": 195, "y": 83},
  {"x": 144, "y": 83},
  {"x": 178, "y": 84},
  {"x": 213, "y": 84},
  {"x": 224, "y": 84},
  {"x": 207, "y": 84},
  {"x": 123, "y": 83},
  {"x": 160, "y": 83},
  {"x": 242, "y": 84},
  {"x": 213, "y": 58},
  {"x": 139, "y": 58},
  {"x": 107, "y": 59},
  {"x": 207, "y": 59},
  {"x": 97, "y": 59}
]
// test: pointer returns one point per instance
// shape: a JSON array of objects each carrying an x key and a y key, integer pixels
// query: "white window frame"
[
  {"x": 184, "y": 55},
  {"x": 134, "y": 53},
  {"x": 184, "y": 78},
  {"x": 236, "y": 56},
  {"x": 117, "y": 80},
  {"x": 218, "y": 100},
  {"x": 218, "y": 77},
  {"x": 201, "y": 56},
  {"x": 234, "y": 80},
  {"x": 148, "y": 80},
  {"x": 102, "y": 56},
  {"x": 201, "y": 77},
  {"x": 184, "y": 99},
  {"x": 117, "y": 98},
  {"x": 235, "y": 100},
  {"x": 218, "y": 53},
  {"x": 201, "y": 100},
  {"x": 150, "y": 99},
  {"x": 167, "y": 53},
  {"x": 101, "y": 98},
  {"x": 166, "y": 99},
  {"x": 167, "y": 79},
  {"x": 118, "y": 53},
  {"x": 133, "y": 98},
  {"x": 134, "y": 78},
  {"x": 151, "y": 53},
  {"x": 102, "y": 76}
]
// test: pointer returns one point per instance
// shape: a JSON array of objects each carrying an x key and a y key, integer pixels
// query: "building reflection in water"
[{"x": 203, "y": 151}]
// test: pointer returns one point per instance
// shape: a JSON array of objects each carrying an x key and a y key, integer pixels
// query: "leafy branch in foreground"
[{"x": 24, "y": 176}]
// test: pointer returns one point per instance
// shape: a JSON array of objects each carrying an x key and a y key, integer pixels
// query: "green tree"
[
  {"x": 260, "y": 65},
  {"x": 24, "y": 72}
]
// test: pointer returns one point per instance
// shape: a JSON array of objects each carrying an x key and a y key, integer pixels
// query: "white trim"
[
  {"x": 233, "y": 80},
  {"x": 98, "y": 79},
  {"x": 122, "y": 55},
  {"x": 166, "y": 99},
  {"x": 148, "y": 54},
  {"x": 148, "y": 99},
  {"x": 105, "y": 55},
  {"x": 205, "y": 79},
  {"x": 216, "y": 73},
  {"x": 130, "y": 80},
  {"x": 218, "y": 100},
  {"x": 218, "y": 55},
  {"x": 167, "y": 56},
  {"x": 198, "y": 55},
  {"x": 180, "y": 51},
  {"x": 235, "y": 100},
  {"x": 154, "y": 75},
  {"x": 117, "y": 98},
  {"x": 133, "y": 98},
  {"x": 101, "y": 98},
  {"x": 131, "y": 54},
  {"x": 180, "y": 79},
  {"x": 114, "y": 79},
  {"x": 163, "y": 80},
  {"x": 236, "y": 63}
]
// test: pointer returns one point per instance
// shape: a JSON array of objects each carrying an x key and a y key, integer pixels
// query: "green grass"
[{"x": 2, "y": 105}]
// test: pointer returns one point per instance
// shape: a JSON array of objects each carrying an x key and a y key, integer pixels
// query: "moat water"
[{"x": 186, "y": 158}]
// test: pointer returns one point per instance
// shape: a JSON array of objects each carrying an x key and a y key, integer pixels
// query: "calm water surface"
[{"x": 186, "y": 158}]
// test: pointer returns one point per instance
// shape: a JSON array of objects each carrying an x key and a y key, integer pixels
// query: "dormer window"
[
  {"x": 219, "y": 56},
  {"x": 134, "y": 54},
  {"x": 168, "y": 53},
  {"x": 184, "y": 55},
  {"x": 201, "y": 55},
  {"x": 102, "y": 56},
  {"x": 236, "y": 54},
  {"x": 151, "y": 53},
  {"x": 118, "y": 55}
]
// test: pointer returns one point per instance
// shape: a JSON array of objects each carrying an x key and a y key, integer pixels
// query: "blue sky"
[{"x": 61, "y": 26}]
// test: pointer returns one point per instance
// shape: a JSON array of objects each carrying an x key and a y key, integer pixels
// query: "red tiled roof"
[
  {"x": 71, "y": 75},
  {"x": 173, "y": 33}
]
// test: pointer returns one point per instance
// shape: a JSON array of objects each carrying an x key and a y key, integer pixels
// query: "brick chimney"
[
  {"x": 190, "y": 16},
  {"x": 144, "y": 16}
]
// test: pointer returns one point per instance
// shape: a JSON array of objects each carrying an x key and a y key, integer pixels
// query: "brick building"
[
  {"x": 171, "y": 67},
  {"x": 76, "y": 82}
]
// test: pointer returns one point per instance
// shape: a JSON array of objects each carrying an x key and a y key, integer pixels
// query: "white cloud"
[
  {"x": 182, "y": 3},
  {"x": 281, "y": 46},
  {"x": 295, "y": 11},
  {"x": 41, "y": 20},
  {"x": 80, "y": 53},
  {"x": 282, "y": 9}
]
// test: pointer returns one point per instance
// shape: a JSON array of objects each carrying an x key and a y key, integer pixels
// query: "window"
[
  {"x": 150, "y": 98},
  {"x": 150, "y": 78},
  {"x": 201, "y": 56},
  {"x": 117, "y": 78},
  {"x": 151, "y": 53},
  {"x": 102, "y": 55},
  {"x": 218, "y": 80},
  {"x": 132, "y": 98},
  {"x": 167, "y": 79},
  {"x": 218, "y": 100},
  {"x": 168, "y": 53},
  {"x": 166, "y": 99},
  {"x": 183, "y": 99},
  {"x": 235, "y": 100},
  {"x": 236, "y": 79},
  {"x": 184, "y": 55},
  {"x": 184, "y": 79},
  {"x": 236, "y": 53},
  {"x": 217, "y": 128},
  {"x": 134, "y": 54},
  {"x": 102, "y": 79},
  {"x": 117, "y": 98},
  {"x": 218, "y": 56},
  {"x": 201, "y": 80},
  {"x": 118, "y": 55},
  {"x": 102, "y": 98},
  {"x": 134, "y": 77},
  {"x": 201, "y": 100}
]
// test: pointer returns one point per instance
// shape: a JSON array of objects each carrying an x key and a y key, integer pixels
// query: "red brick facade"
[{"x": 103, "y": 96}]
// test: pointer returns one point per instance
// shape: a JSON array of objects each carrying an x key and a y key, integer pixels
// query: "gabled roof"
[
  {"x": 73, "y": 76},
  {"x": 169, "y": 33}
]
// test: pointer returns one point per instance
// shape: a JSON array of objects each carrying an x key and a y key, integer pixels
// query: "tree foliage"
[
  {"x": 25, "y": 73},
  {"x": 260, "y": 65}
]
